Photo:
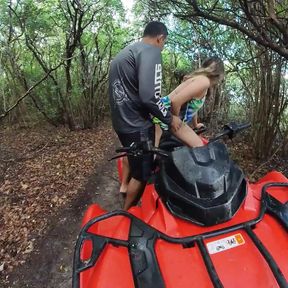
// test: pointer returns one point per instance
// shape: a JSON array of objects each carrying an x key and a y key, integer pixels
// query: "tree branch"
[
  {"x": 29, "y": 91},
  {"x": 280, "y": 49}
]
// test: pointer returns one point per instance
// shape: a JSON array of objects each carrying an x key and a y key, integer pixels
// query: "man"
[{"x": 134, "y": 92}]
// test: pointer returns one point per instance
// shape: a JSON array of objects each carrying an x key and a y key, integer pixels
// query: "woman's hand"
[
  {"x": 199, "y": 125},
  {"x": 176, "y": 123}
]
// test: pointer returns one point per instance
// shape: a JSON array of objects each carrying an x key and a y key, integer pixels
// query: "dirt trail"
[{"x": 50, "y": 264}]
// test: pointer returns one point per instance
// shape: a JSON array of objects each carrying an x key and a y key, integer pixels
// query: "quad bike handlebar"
[
  {"x": 144, "y": 147},
  {"x": 230, "y": 130},
  {"x": 140, "y": 148}
]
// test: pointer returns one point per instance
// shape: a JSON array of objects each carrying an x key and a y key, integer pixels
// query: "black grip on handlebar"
[
  {"x": 230, "y": 130},
  {"x": 243, "y": 126},
  {"x": 123, "y": 149}
]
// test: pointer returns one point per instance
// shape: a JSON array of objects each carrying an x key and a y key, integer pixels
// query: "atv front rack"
[{"x": 142, "y": 239}]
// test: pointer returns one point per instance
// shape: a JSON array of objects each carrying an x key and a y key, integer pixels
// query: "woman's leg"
[{"x": 188, "y": 136}]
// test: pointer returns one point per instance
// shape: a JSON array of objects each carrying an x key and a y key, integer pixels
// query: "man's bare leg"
[
  {"x": 135, "y": 190},
  {"x": 188, "y": 136},
  {"x": 125, "y": 175}
]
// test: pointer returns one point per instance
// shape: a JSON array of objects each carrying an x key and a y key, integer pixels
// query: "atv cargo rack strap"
[{"x": 142, "y": 239}]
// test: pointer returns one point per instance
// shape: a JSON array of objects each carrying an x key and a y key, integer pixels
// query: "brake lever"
[
  {"x": 161, "y": 153},
  {"x": 118, "y": 156},
  {"x": 233, "y": 129}
]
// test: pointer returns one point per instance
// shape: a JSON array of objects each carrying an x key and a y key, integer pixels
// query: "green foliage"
[{"x": 36, "y": 36}]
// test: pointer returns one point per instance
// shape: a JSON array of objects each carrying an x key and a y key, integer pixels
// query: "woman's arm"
[
  {"x": 195, "y": 121},
  {"x": 195, "y": 89}
]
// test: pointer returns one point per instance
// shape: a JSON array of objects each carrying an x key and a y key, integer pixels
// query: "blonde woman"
[{"x": 189, "y": 97}]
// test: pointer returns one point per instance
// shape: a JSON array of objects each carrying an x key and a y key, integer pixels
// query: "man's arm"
[{"x": 150, "y": 80}]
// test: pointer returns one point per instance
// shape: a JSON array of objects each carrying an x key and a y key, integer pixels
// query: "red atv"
[{"x": 200, "y": 224}]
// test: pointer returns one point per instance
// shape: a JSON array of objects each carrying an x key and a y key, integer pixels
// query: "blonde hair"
[{"x": 212, "y": 67}]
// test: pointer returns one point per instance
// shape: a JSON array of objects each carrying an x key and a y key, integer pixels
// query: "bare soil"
[
  {"x": 45, "y": 190},
  {"x": 50, "y": 264}
]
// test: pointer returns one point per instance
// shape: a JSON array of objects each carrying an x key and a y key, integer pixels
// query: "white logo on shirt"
[
  {"x": 158, "y": 80},
  {"x": 119, "y": 93}
]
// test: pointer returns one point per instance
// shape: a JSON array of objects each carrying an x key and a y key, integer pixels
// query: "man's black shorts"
[{"x": 140, "y": 166}]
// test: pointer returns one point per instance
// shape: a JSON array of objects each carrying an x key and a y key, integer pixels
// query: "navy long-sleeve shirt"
[{"x": 135, "y": 78}]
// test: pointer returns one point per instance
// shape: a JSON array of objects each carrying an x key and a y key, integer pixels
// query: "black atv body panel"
[{"x": 201, "y": 184}]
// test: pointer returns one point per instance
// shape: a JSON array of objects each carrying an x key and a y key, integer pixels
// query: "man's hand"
[{"x": 176, "y": 123}]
